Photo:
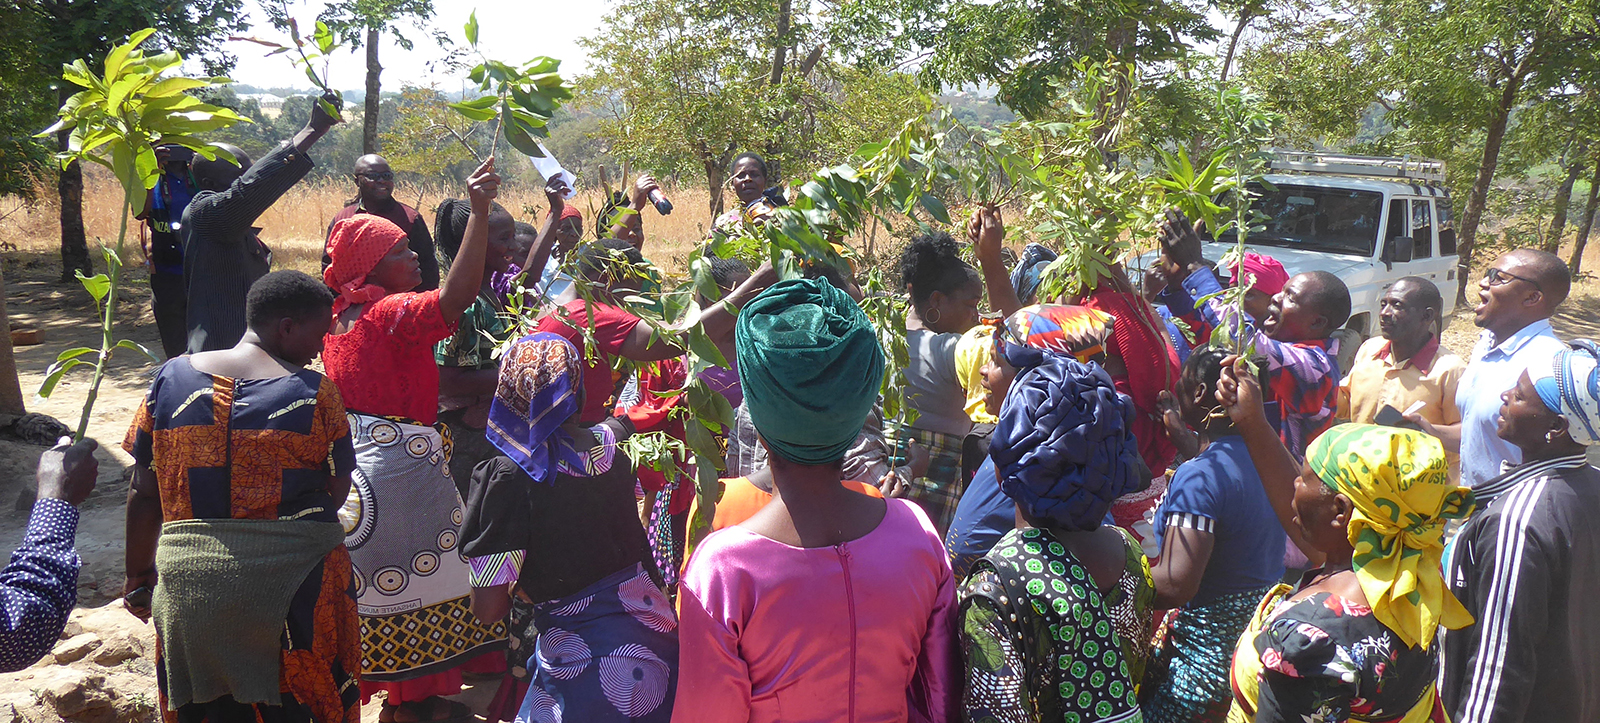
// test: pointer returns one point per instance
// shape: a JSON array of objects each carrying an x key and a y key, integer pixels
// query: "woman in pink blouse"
[{"x": 827, "y": 605}]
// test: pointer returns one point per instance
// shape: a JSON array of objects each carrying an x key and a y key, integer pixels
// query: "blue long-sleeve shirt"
[{"x": 39, "y": 588}]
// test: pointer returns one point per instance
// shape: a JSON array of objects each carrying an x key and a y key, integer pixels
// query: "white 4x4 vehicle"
[{"x": 1368, "y": 220}]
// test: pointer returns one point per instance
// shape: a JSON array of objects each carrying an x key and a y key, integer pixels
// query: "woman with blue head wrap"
[{"x": 1055, "y": 617}]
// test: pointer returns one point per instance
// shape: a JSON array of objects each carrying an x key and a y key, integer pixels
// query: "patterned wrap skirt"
[
  {"x": 1188, "y": 677},
  {"x": 939, "y": 489},
  {"x": 401, "y": 522},
  {"x": 608, "y": 653}
]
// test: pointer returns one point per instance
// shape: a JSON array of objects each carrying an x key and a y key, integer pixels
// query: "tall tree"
[
  {"x": 1027, "y": 47},
  {"x": 362, "y": 23},
  {"x": 77, "y": 29},
  {"x": 683, "y": 86},
  {"x": 1464, "y": 66}
]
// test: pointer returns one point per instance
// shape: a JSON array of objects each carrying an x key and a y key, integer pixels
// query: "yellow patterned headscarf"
[{"x": 1399, "y": 485}]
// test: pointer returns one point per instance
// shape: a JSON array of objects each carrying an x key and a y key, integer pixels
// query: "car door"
[{"x": 1426, "y": 261}]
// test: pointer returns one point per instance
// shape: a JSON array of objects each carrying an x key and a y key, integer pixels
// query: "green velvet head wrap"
[{"x": 810, "y": 365}]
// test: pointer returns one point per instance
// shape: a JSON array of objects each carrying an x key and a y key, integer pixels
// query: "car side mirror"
[{"x": 1398, "y": 251}]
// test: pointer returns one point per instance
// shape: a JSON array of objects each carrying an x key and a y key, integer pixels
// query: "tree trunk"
[
  {"x": 10, "y": 386},
  {"x": 69, "y": 186},
  {"x": 1233, "y": 43},
  {"x": 781, "y": 52},
  {"x": 1576, "y": 264},
  {"x": 1558, "y": 213},
  {"x": 369, "y": 117},
  {"x": 1478, "y": 198},
  {"x": 714, "y": 183}
]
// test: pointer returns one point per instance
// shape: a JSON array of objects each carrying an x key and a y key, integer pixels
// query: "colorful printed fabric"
[
  {"x": 261, "y": 449},
  {"x": 356, "y": 245},
  {"x": 1041, "y": 642},
  {"x": 1188, "y": 678},
  {"x": 477, "y": 335},
  {"x": 606, "y": 653},
  {"x": 1570, "y": 387},
  {"x": 939, "y": 490},
  {"x": 1150, "y": 363},
  {"x": 1399, "y": 484},
  {"x": 1064, "y": 448},
  {"x": 1326, "y": 658},
  {"x": 1076, "y": 331},
  {"x": 1303, "y": 377},
  {"x": 1025, "y": 275},
  {"x": 537, "y": 393},
  {"x": 402, "y": 522}
]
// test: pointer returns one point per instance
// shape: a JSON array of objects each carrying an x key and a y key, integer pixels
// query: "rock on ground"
[{"x": 102, "y": 671}]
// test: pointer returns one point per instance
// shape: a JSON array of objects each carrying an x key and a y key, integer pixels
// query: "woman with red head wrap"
[{"x": 411, "y": 581}]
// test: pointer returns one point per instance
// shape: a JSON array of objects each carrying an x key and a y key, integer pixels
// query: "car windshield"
[{"x": 1313, "y": 218}]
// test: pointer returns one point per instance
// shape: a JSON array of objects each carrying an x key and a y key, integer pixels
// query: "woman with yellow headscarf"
[{"x": 1355, "y": 640}]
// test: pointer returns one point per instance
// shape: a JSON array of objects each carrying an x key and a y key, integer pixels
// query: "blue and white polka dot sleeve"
[{"x": 40, "y": 587}]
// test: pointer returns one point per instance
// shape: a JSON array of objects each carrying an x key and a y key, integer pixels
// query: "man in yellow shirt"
[{"x": 1405, "y": 368}]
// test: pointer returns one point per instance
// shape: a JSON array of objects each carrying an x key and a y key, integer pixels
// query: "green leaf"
[
  {"x": 518, "y": 135},
  {"x": 74, "y": 353},
  {"x": 935, "y": 208},
  {"x": 52, "y": 376},
  {"x": 323, "y": 37},
  {"x": 136, "y": 346},
  {"x": 97, "y": 285},
  {"x": 472, "y": 29},
  {"x": 119, "y": 55},
  {"x": 477, "y": 114},
  {"x": 705, "y": 348},
  {"x": 174, "y": 86}
]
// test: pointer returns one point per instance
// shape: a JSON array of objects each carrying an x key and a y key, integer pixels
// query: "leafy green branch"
[
  {"x": 519, "y": 99},
  {"x": 322, "y": 41},
  {"x": 117, "y": 121}
]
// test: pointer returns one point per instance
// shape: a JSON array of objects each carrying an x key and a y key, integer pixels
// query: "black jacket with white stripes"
[{"x": 1527, "y": 567}]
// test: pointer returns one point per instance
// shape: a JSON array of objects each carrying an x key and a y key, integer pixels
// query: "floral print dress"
[{"x": 1325, "y": 658}]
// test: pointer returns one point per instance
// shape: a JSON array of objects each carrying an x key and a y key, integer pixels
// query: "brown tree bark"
[
  {"x": 1576, "y": 264},
  {"x": 1478, "y": 197},
  {"x": 369, "y": 118},
  {"x": 1558, "y": 212},
  {"x": 781, "y": 40},
  {"x": 1245, "y": 16},
  {"x": 714, "y": 173},
  {"x": 69, "y": 186},
  {"x": 11, "y": 401}
]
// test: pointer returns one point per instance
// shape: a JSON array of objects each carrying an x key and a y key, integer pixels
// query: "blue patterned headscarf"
[
  {"x": 1025, "y": 275},
  {"x": 1570, "y": 387},
  {"x": 1064, "y": 448},
  {"x": 537, "y": 393}
]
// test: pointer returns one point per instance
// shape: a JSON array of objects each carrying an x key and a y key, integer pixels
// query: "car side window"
[
  {"x": 1447, "y": 231},
  {"x": 1421, "y": 229},
  {"x": 1396, "y": 226}
]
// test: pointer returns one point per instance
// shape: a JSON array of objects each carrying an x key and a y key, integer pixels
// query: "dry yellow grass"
[{"x": 295, "y": 226}]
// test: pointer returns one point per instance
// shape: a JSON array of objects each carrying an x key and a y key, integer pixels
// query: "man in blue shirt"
[
  {"x": 1517, "y": 296},
  {"x": 40, "y": 586}
]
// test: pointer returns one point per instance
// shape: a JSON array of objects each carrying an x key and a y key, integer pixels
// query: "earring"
[
  {"x": 1549, "y": 437},
  {"x": 932, "y": 318}
]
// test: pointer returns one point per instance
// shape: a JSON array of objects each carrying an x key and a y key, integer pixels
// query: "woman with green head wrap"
[
  {"x": 1355, "y": 640},
  {"x": 827, "y": 604}
]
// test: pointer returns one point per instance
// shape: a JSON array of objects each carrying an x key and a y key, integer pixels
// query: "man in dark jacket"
[
  {"x": 222, "y": 254},
  {"x": 375, "y": 195},
  {"x": 1527, "y": 565}
]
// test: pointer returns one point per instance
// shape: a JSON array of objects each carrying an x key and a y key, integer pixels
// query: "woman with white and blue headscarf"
[{"x": 1527, "y": 565}]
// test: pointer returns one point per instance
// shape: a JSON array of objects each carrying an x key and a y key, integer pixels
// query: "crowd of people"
[{"x": 1101, "y": 512}]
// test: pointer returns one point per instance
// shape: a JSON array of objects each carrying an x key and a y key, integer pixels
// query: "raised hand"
[
  {"x": 1179, "y": 241},
  {"x": 1239, "y": 392},
  {"x": 483, "y": 185},
  {"x": 67, "y": 471},
  {"x": 321, "y": 121},
  {"x": 986, "y": 231}
]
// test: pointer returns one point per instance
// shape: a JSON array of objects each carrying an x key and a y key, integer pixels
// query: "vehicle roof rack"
[{"x": 1338, "y": 164}]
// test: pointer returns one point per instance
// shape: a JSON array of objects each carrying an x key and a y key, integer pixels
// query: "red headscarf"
[
  {"x": 356, "y": 245},
  {"x": 570, "y": 211},
  {"x": 1269, "y": 273}
]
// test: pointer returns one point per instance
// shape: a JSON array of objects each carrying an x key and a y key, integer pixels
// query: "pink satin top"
[{"x": 862, "y": 632}]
